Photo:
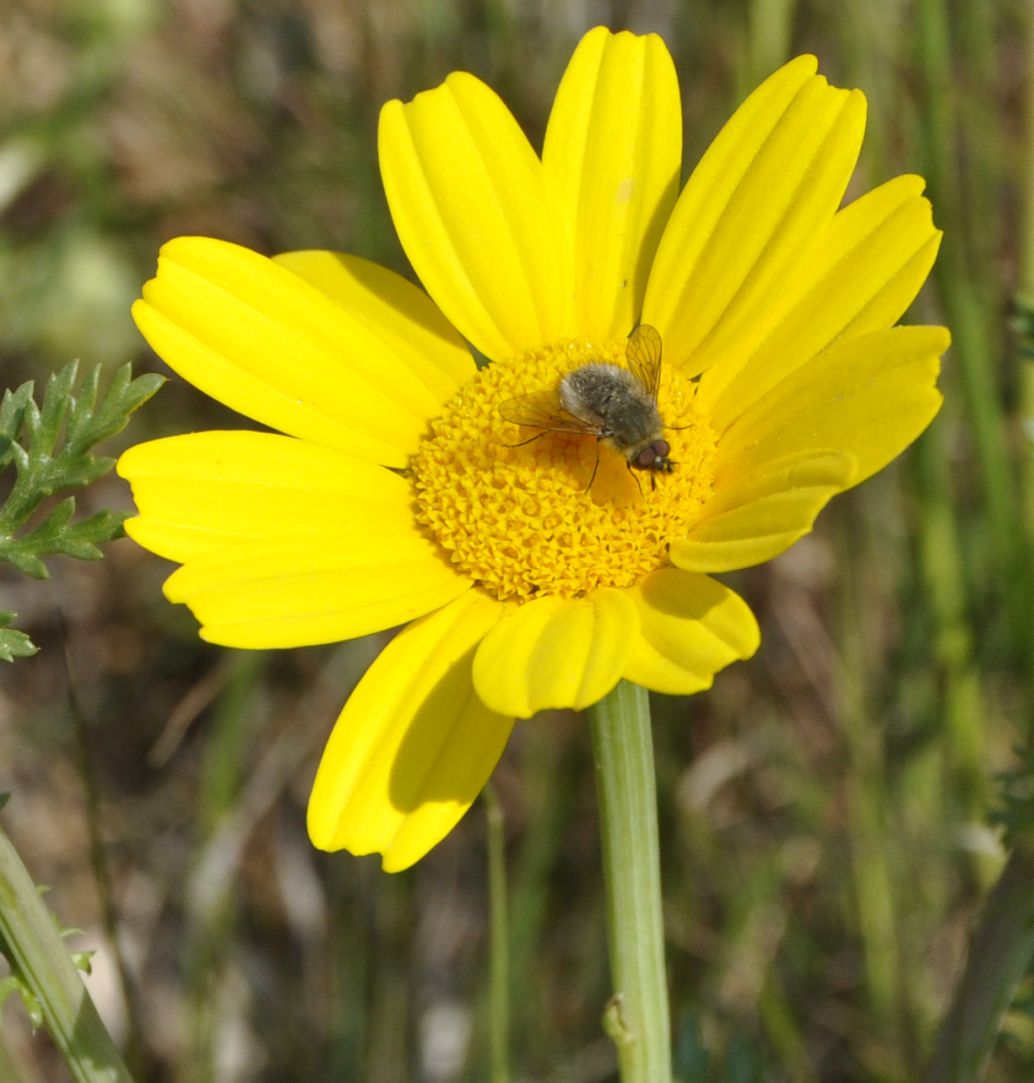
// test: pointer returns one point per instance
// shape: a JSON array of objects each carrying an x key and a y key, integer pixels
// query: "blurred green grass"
[{"x": 824, "y": 809}]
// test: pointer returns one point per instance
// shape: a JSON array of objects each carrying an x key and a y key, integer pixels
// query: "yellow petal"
[
  {"x": 404, "y": 320},
  {"x": 314, "y": 588},
  {"x": 690, "y": 627},
  {"x": 258, "y": 338},
  {"x": 865, "y": 272},
  {"x": 414, "y": 745},
  {"x": 613, "y": 149},
  {"x": 209, "y": 490},
  {"x": 754, "y": 206},
  {"x": 761, "y": 513},
  {"x": 476, "y": 218},
  {"x": 869, "y": 396},
  {"x": 556, "y": 652}
]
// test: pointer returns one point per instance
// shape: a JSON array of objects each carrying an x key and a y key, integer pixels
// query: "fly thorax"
[{"x": 527, "y": 513}]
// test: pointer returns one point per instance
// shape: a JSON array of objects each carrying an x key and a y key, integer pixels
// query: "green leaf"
[
  {"x": 12, "y": 413},
  {"x": 13, "y": 644},
  {"x": 58, "y": 534},
  {"x": 49, "y": 446}
]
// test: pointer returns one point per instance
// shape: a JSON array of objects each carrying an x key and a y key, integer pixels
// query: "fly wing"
[
  {"x": 542, "y": 410},
  {"x": 643, "y": 354}
]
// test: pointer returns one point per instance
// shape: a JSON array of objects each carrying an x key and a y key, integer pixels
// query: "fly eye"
[
  {"x": 661, "y": 449},
  {"x": 646, "y": 458}
]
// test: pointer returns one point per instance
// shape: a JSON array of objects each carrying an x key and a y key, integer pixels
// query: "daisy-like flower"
[{"x": 535, "y": 569}]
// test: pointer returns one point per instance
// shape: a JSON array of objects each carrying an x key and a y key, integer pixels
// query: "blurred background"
[{"x": 826, "y": 810}]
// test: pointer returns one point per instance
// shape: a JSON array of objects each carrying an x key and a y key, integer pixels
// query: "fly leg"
[
  {"x": 635, "y": 477},
  {"x": 595, "y": 465}
]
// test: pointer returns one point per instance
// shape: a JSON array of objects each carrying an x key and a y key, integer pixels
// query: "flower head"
[{"x": 503, "y": 511}]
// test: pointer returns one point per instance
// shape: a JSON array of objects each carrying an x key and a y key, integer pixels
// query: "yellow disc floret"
[{"x": 526, "y": 512}]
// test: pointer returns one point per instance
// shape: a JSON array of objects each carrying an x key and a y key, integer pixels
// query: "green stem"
[
  {"x": 637, "y": 1016},
  {"x": 999, "y": 953},
  {"x": 499, "y": 964},
  {"x": 34, "y": 946}
]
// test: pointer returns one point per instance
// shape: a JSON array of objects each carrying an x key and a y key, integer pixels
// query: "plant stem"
[
  {"x": 637, "y": 1016},
  {"x": 499, "y": 965},
  {"x": 33, "y": 944},
  {"x": 999, "y": 953}
]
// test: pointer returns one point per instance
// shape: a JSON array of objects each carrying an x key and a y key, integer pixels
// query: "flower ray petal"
[
  {"x": 690, "y": 627},
  {"x": 764, "y": 190},
  {"x": 403, "y": 320},
  {"x": 476, "y": 217},
  {"x": 209, "y": 490},
  {"x": 613, "y": 149},
  {"x": 555, "y": 653},
  {"x": 261, "y": 340},
  {"x": 762, "y": 513},
  {"x": 869, "y": 396},
  {"x": 414, "y": 745},
  {"x": 314, "y": 588},
  {"x": 865, "y": 272}
]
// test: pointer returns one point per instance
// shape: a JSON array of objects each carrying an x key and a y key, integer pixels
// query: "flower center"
[{"x": 527, "y": 512}]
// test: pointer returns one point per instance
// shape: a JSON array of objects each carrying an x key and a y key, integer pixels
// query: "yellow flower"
[{"x": 536, "y": 569}]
